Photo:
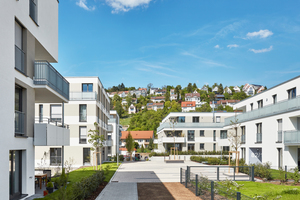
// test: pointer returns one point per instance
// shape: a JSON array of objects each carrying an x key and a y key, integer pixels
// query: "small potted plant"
[{"x": 49, "y": 187}]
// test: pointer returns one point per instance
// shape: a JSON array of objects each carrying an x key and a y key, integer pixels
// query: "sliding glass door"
[{"x": 15, "y": 173}]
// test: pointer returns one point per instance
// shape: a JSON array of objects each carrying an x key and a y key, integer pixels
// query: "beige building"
[{"x": 88, "y": 104}]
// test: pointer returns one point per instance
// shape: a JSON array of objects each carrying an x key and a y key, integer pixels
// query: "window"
[
  {"x": 19, "y": 53},
  {"x": 109, "y": 150},
  {"x": 260, "y": 104},
  {"x": 87, "y": 87},
  {"x": 191, "y": 147},
  {"x": 274, "y": 98},
  {"x": 214, "y": 147},
  {"x": 86, "y": 156},
  {"x": 33, "y": 10},
  {"x": 201, "y": 133},
  {"x": 191, "y": 135},
  {"x": 82, "y": 134},
  {"x": 218, "y": 119},
  {"x": 243, "y": 137},
  {"x": 140, "y": 140},
  {"x": 19, "y": 114},
  {"x": 223, "y": 134},
  {"x": 251, "y": 106},
  {"x": 55, "y": 112},
  {"x": 214, "y": 136},
  {"x": 41, "y": 113},
  {"x": 259, "y": 133},
  {"x": 147, "y": 140},
  {"x": 82, "y": 113},
  {"x": 181, "y": 119},
  {"x": 225, "y": 148},
  {"x": 195, "y": 119},
  {"x": 55, "y": 156},
  {"x": 292, "y": 93},
  {"x": 15, "y": 173},
  {"x": 279, "y": 133},
  {"x": 201, "y": 146}
]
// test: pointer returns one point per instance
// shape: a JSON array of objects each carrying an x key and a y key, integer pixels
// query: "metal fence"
[{"x": 208, "y": 189}]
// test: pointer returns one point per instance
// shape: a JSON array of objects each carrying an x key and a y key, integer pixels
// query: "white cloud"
[
  {"x": 82, "y": 4},
  {"x": 261, "y": 50},
  {"x": 262, "y": 34},
  {"x": 126, "y": 5},
  {"x": 232, "y": 46},
  {"x": 217, "y": 46}
]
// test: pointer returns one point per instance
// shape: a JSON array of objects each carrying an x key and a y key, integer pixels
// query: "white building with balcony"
[
  {"x": 29, "y": 43},
  {"x": 193, "y": 131},
  {"x": 89, "y": 103},
  {"x": 114, "y": 133},
  {"x": 270, "y": 125}
]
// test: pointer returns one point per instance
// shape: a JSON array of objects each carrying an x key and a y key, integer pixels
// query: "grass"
[
  {"x": 125, "y": 121},
  {"x": 275, "y": 174},
  {"x": 270, "y": 190},
  {"x": 77, "y": 175}
]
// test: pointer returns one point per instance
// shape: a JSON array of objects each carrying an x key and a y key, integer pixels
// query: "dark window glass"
[
  {"x": 223, "y": 134},
  {"x": 201, "y": 146},
  {"x": 201, "y": 133},
  {"x": 225, "y": 148},
  {"x": 214, "y": 136},
  {"x": 87, "y": 87},
  {"x": 86, "y": 155},
  {"x": 195, "y": 119},
  {"x": 191, "y": 135},
  {"x": 292, "y": 93},
  {"x": 82, "y": 113},
  {"x": 82, "y": 135},
  {"x": 191, "y": 147},
  {"x": 181, "y": 119},
  {"x": 55, "y": 156}
]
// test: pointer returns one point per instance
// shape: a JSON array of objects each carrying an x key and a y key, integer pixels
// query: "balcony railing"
[
  {"x": 19, "y": 123},
  {"x": 292, "y": 137},
  {"x": 83, "y": 96},
  {"x": 110, "y": 128},
  {"x": 266, "y": 111},
  {"x": 19, "y": 59},
  {"x": 243, "y": 139},
  {"x": 279, "y": 137},
  {"x": 108, "y": 143},
  {"x": 171, "y": 140},
  {"x": 33, "y": 11},
  {"x": 46, "y": 74},
  {"x": 258, "y": 137},
  {"x": 190, "y": 125},
  {"x": 112, "y": 120}
]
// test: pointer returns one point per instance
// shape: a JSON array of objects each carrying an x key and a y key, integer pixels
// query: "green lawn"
[
  {"x": 125, "y": 121},
  {"x": 78, "y": 174},
  {"x": 271, "y": 190},
  {"x": 275, "y": 174}
]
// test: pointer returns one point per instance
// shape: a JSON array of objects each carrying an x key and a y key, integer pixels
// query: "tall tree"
[
  {"x": 134, "y": 95},
  {"x": 149, "y": 86},
  {"x": 97, "y": 140},
  {"x": 129, "y": 144},
  {"x": 119, "y": 109},
  {"x": 212, "y": 96},
  {"x": 167, "y": 96},
  {"x": 151, "y": 144},
  {"x": 195, "y": 87},
  {"x": 234, "y": 138},
  {"x": 190, "y": 88},
  {"x": 220, "y": 89},
  {"x": 177, "y": 91}
]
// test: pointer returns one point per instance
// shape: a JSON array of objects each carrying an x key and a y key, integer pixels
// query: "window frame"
[
  {"x": 202, "y": 131},
  {"x": 202, "y": 148},
  {"x": 80, "y": 135},
  {"x": 80, "y": 114},
  {"x": 56, "y": 156},
  {"x": 191, "y": 135}
]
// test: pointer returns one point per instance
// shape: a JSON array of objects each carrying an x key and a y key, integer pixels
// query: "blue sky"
[{"x": 171, "y": 42}]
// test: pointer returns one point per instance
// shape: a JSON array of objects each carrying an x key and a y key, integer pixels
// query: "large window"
[
  {"x": 41, "y": 113},
  {"x": 225, "y": 148},
  {"x": 15, "y": 174},
  {"x": 191, "y": 147},
  {"x": 214, "y": 135},
  {"x": 181, "y": 119},
  {"x": 33, "y": 12},
  {"x": 195, "y": 119},
  {"x": 82, "y": 134},
  {"x": 292, "y": 93},
  {"x": 243, "y": 130},
  {"x": 191, "y": 135},
  {"x": 279, "y": 133},
  {"x": 274, "y": 98},
  {"x": 55, "y": 112},
  {"x": 218, "y": 119},
  {"x": 86, "y": 156},
  {"x": 19, "y": 53},
  {"x": 55, "y": 156},
  {"x": 214, "y": 147},
  {"x": 260, "y": 104},
  {"x": 223, "y": 134},
  {"x": 87, "y": 87},
  {"x": 251, "y": 106},
  {"x": 259, "y": 132},
  {"x": 82, "y": 113},
  {"x": 19, "y": 114},
  {"x": 201, "y": 146},
  {"x": 201, "y": 133}
]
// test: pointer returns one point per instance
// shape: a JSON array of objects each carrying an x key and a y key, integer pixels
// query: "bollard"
[
  {"x": 196, "y": 184},
  {"x": 285, "y": 173},
  {"x": 218, "y": 170},
  {"x": 212, "y": 189},
  {"x": 180, "y": 175},
  {"x": 238, "y": 196},
  {"x": 252, "y": 173},
  {"x": 189, "y": 170},
  {"x": 234, "y": 173},
  {"x": 186, "y": 178}
]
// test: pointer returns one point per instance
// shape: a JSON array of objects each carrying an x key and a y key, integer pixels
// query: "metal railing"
[
  {"x": 110, "y": 128},
  {"x": 166, "y": 125},
  {"x": 46, "y": 74},
  {"x": 19, "y": 59},
  {"x": 287, "y": 105},
  {"x": 292, "y": 137},
  {"x": 52, "y": 121},
  {"x": 33, "y": 11},
  {"x": 258, "y": 137},
  {"x": 19, "y": 123},
  {"x": 83, "y": 96},
  {"x": 279, "y": 136},
  {"x": 112, "y": 120},
  {"x": 108, "y": 143}
]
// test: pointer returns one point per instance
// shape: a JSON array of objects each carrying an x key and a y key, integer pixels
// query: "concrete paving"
[{"x": 117, "y": 191}]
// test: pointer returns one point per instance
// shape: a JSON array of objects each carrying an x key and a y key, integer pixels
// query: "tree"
[
  {"x": 228, "y": 108},
  {"x": 119, "y": 109},
  {"x": 220, "y": 107},
  {"x": 226, "y": 96},
  {"x": 134, "y": 95},
  {"x": 177, "y": 91},
  {"x": 204, "y": 108},
  {"x": 129, "y": 144},
  {"x": 142, "y": 148},
  {"x": 97, "y": 141},
  {"x": 212, "y": 96},
  {"x": 136, "y": 145},
  {"x": 239, "y": 95},
  {"x": 167, "y": 96},
  {"x": 149, "y": 86},
  {"x": 220, "y": 89},
  {"x": 116, "y": 98},
  {"x": 129, "y": 99},
  {"x": 195, "y": 87},
  {"x": 235, "y": 139},
  {"x": 190, "y": 88},
  {"x": 151, "y": 144}
]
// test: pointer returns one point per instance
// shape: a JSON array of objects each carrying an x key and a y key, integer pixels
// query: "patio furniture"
[
  {"x": 48, "y": 172},
  {"x": 40, "y": 176}
]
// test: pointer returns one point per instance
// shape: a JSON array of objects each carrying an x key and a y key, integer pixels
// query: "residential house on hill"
[
  {"x": 141, "y": 137},
  {"x": 215, "y": 89},
  {"x": 138, "y": 93},
  {"x": 194, "y": 97},
  {"x": 173, "y": 95},
  {"x": 219, "y": 97},
  {"x": 131, "y": 109},
  {"x": 152, "y": 91},
  {"x": 188, "y": 106},
  {"x": 204, "y": 88},
  {"x": 237, "y": 89},
  {"x": 157, "y": 99},
  {"x": 252, "y": 89},
  {"x": 227, "y": 90},
  {"x": 160, "y": 92},
  {"x": 155, "y": 106},
  {"x": 224, "y": 103}
]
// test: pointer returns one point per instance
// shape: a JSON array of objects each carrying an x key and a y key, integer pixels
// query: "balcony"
[
  {"x": 108, "y": 143},
  {"x": 47, "y": 133},
  {"x": 19, "y": 60},
  {"x": 266, "y": 111},
  {"x": 258, "y": 137},
  {"x": 83, "y": 96},
  {"x": 46, "y": 77},
  {"x": 112, "y": 120},
  {"x": 292, "y": 138},
  {"x": 110, "y": 128},
  {"x": 19, "y": 123},
  {"x": 171, "y": 140},
  {"x": 190, "y": 125}
]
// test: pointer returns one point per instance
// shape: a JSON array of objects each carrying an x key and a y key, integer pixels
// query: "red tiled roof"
[
  {"x": 137, "y": 134},
  {"x": 160, "y": 97},
  {"x": 188, "y": 104}
]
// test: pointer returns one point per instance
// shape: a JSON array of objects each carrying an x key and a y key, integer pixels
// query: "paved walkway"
[{"x": 117, "y": 191}]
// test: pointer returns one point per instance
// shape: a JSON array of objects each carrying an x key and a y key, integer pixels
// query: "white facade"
[
  {"x": 152, "y": 91},
  {"x": 227, "y": 90},
  {"x": 131, "y": 109},
  {"x": 194, "y": 97},
  {"x": 24, "y": 39},
  {"x": 115, "y": 133}
]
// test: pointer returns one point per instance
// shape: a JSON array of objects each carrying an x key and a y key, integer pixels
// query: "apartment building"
[
  {"x": 114, "y": 134},
  {"x": 29, "y": 43},
  {"x": 194, "y": 131},
  {"x": 270, "y": 125},
  {"x": 89, "y": 103}
]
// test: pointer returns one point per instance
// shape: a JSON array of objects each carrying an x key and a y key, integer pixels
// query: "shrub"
[
  {"x": 106, "y": 169},
  {"x": 121, "y": 158},
  {"x": 295, "y": 175},
  {"x": 49, "y": 185}
]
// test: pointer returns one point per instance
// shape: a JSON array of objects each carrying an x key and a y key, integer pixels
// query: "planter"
[
  {"x": 45, "y": 192},
  {"x": 50, "y": 190}
]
